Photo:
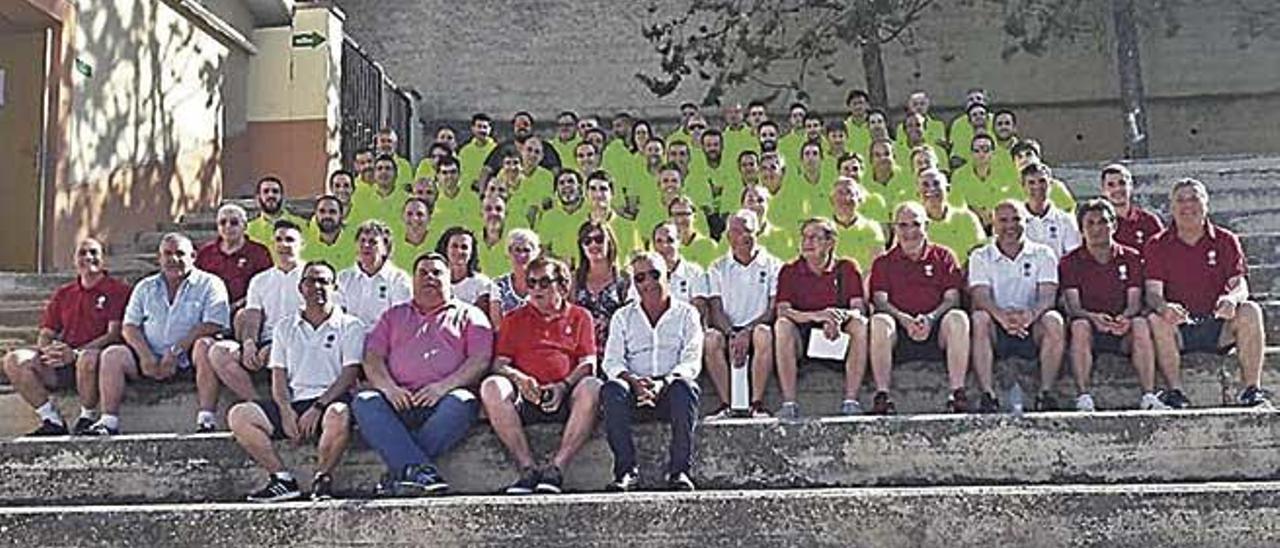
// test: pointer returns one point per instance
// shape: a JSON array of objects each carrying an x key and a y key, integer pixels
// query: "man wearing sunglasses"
[
  {"x": 231, "y": 256},
  {"x": 652, "y": 360},
  {"x": 543, "y": 373}
]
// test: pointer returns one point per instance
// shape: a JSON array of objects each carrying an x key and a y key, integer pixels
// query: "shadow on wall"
[{"x": 147, "y": 124}]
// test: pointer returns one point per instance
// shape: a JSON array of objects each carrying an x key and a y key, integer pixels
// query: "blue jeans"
[
  {"x": 418, "y": 435},
  {"x": 677, "y": 405}
]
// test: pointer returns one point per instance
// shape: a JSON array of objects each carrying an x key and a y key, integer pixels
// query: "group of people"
[{"x": 600, "y": 276}]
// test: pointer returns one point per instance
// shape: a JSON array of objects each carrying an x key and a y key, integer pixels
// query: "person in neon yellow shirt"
[
  {"x": 558, "y": 226},
  {"x": 383, "y": 199},
  {"x": 1027, "y": 152},
  {"x": 737, "y": 135},
  {"x": 777, "y": 239},
  {"x": 806, "y": 188},
  {"x": 688, "y": 112},
  {"x": 979, "y": 184},
  {"x": 914, "y": 137},
  {"x": 717, "y": 173},
  {"x": 791, "y": 141},
  {"x": 925, "y": 157},
  {"x": 567, "y": 137},
  {"x": 342, "y": 185},
  {"x": 617, "y": 151},
  {"x": 696, "y": 246},
  {"x": 887, "y": 179},
  {"x": 860, "y": 238},
  {"x": 1005, "y": 126},
  {"x": 385, "y": 142},
  {"x": 600, "y": 201},
  {"x": 506, "y": 183},
  {"x": 870, "y": 205},
  {"x": 536, "y": 189},
  {"x": 455, "y": 204},
  {"x": 976, "y": 120},
  {"x": 491, "y": 239},
  {"x": 955, "y": 228},
  {"x": 767, "y": 137},
  {"x": 681, "y": 154},
  {"x": 271, "y": 208},
  {"x": 472, "y": 154},
  {"x": 640, "y": 194},
  {"x": 857, "y": 132},
  {"x": 363, "y": 166},
  {"x": 327, "y": 237},
  {"x": 435, "y": 153},
  {"x": 935, "y": 130},
  {"x": 416, "y": 237}
]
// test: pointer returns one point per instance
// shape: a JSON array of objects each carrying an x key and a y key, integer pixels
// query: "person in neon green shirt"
[
  {"x": 976, "y": 120},
  {"x": 416, "y": 237},
  {"x": 924, "y": 158},
  {"x": 507, "y": 183},
  {"x": 271, "y": 208},
  {"x": 914, "y": 137},
  {"x": 435, "y": 154},
  {"x": 455, "y": 205},
  {"x": 617, "y": 151},
  {"x": 935, "y": 130},
  {"x": 860, "y": 238},
  {"x": 327, "y": 237},
  {"x": 979, "y": 184},
  {"x": 777, "y": 239},
  {"x": 363, "y": 166},
  {"x": 737, "y": 135},
  {"x": 639, "y": 190},
  {"x": 1027, "y": 152},
  {"x": 857, "y": 133},
  {"x": 688, "y": 112},
  {"x": 871, "y": 206},
  {"x": 1005, "y": 125},
  {"x": 385, "y": 143},
  {"x": 720, "y": 175},
  {"x": 791, "y": 141},
  {"x": 342, "y": 186},
  {"x": 696, "y": 246},
  {"x": 566, "y": 138},
  {"x": 535, "y": 191},
  {"x": 600, "y": 201},
  {"x": 558, "y": 226},
  {"x": 887, "y": 180},
  {"x": 472, "y": 154},
  {"x": 681, "y": 154},
  {"x": 383, "y": 199},
  {"x": 955, "y": 228},
  {"x": 491, "y": 238}
]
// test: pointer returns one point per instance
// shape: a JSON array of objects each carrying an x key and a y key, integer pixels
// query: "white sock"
[
  {"x": 49, "y": 413},
  {"x": 284, "y": 475},
  {"x": 110, "y": 421},
  {"x": 91, "y": 414},
  {"x": 205, "y": 417}
]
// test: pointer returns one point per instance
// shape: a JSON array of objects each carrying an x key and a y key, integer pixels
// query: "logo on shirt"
[
  {"x": 928, "y": 270},
  {"x": 101, "y": 302},
  {"x": 1124, "y": 272},
  {"x": 684, "y": 285},
  {"x": 328, "y": 341},
  {"x": 764, "y": 277},
  {"x": 382, "y": 292},
  {"x": 1140, "y": 235},
  {"x": 242, "y": 262},
  {"x": 1026, "y": 270},
  {"x": 1053, "y": 231},
  {"x": 1213, "y": 257}
]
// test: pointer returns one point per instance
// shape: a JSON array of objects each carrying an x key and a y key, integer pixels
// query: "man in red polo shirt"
[
  {"x": 82, "y": 318},
  {"x": 1101, "y": 285},
  {"x": 916, "y": 288},
  {"x": 1134, "y": 226},
  {"x": 1197, "y": 289},
  {"x": 231, "y": 256},
  {"x": 819, "y": 291},
  {"x": 544, "y": 365}
]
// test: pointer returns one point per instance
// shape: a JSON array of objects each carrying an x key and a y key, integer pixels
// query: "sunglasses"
[
  {"x": 543, "y": 283},
  {"x": 597, "y": 239},
  {"x": 640, "y": 277}
]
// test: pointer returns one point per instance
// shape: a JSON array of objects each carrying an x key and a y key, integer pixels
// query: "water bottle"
[
  {"x": 739, "y": 391},
  {"x": 1015, "y": 399}
]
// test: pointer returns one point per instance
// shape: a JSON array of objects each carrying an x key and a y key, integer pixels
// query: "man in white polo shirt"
[
  {"x": 1013, "y": 282},
  {"x": 688, "y": 280},
  {"x": 1046, "y": 223},
  {"x": 272, "y": 295},
  {"x": 743, "y": 285},
  {"x": 315, "y": 360},
  {"x": 373, "y": 285}
]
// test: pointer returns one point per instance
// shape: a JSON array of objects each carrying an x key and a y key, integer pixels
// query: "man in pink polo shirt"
[
  {"x": 420, "y": 360},
  {"x": 1197, "y": 289}
]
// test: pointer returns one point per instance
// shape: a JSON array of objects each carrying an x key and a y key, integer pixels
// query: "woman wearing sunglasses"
[{"x": 598, "y": 285}]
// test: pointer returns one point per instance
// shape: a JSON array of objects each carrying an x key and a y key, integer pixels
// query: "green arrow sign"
[{"x": 308, "y": 40}]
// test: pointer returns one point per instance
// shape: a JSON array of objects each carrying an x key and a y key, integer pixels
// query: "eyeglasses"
[
  {"x": 597, "y": 239},
  {"x": 640, "y": 277},
  {"x": 543, "y": 283},
  {"x": 317, "y": 281}
]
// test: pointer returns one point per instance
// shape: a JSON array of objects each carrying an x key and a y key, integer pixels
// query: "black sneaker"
[
  {"x": 1046, "y": 401},
  {"x": 882, "y": 404},
  {"x": 322, "y": 487},
  {"x": 551, "y": 481},
  {"x": 626, "y": 482},
  {"x": 420, "y": 480},
  {"x": 958, "y": 402},
  {"x": 49, "y": 428},
  {"x": 680, "y": 482},
  {"x": 526, "y": 484},
  {"x": 206, "y": 428},
  {"x": 1252, "y": 396},
  {"x": 277, "y": 490},
  {"x": 82, "y": 426},
  {"x": 1175, "y": 399},
  {"x": 99, "y": 429},
  {"x": 386, "y": 486},
  {"x": 989, "y": 403}
]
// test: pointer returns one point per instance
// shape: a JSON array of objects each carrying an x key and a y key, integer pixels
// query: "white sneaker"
[
  {"x": 1150, "y": 402},
  {"x": 1084, "y": 402},
  {"x": 789, "y": 411}
]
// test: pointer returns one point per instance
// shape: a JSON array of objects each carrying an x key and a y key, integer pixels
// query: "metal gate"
[{"x": 365, "y": 86}]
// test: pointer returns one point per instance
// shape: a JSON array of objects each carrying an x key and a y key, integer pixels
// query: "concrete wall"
[{"x": 502, "y": 55}]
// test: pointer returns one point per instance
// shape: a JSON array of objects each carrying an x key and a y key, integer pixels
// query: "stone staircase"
[{"x": 1201, "y": 477}]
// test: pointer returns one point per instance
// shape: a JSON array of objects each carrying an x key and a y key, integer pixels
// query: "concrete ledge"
[
  {"x": 1108, "y": 447},
  {"x": 1213, "y": 515}
]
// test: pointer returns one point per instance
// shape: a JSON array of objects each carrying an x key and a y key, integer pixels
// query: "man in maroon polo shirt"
[
  {"x": 233, "y": 257},
  {"x": 1134, "y": 226},
  {"x": 1101, "y": 285},
  {"x": 1197, "y": 290},
  {"x": 915, "y": 288},
  {"x": 543, "y": 372},
  {"x": 819, "y": 291},
  {"x": 82, "y": 318}
]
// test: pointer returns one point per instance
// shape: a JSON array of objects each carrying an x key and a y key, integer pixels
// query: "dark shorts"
[
  {"x": 531, "y": 413},
  {"x": 1203, "y": 335},
  {"x": 272, "y": 411},
  {"x": 907, "y": 349},
  {"x": 1107, "y": 343},
  {"x": 1009, "y": 346}
]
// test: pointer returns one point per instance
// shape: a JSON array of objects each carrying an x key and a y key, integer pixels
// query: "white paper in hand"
[{"x": 822, "y": 348}]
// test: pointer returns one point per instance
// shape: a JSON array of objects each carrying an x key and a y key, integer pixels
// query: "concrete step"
[
  {"x": 927, "y": 450},
  {"x": 1225, "y": 515},
  {"x": 1261, "y": 248}
]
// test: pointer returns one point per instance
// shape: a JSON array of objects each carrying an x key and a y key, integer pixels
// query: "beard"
[
  {"x": 329, "y": 226},
  {"x": 270, "y": 206}
]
